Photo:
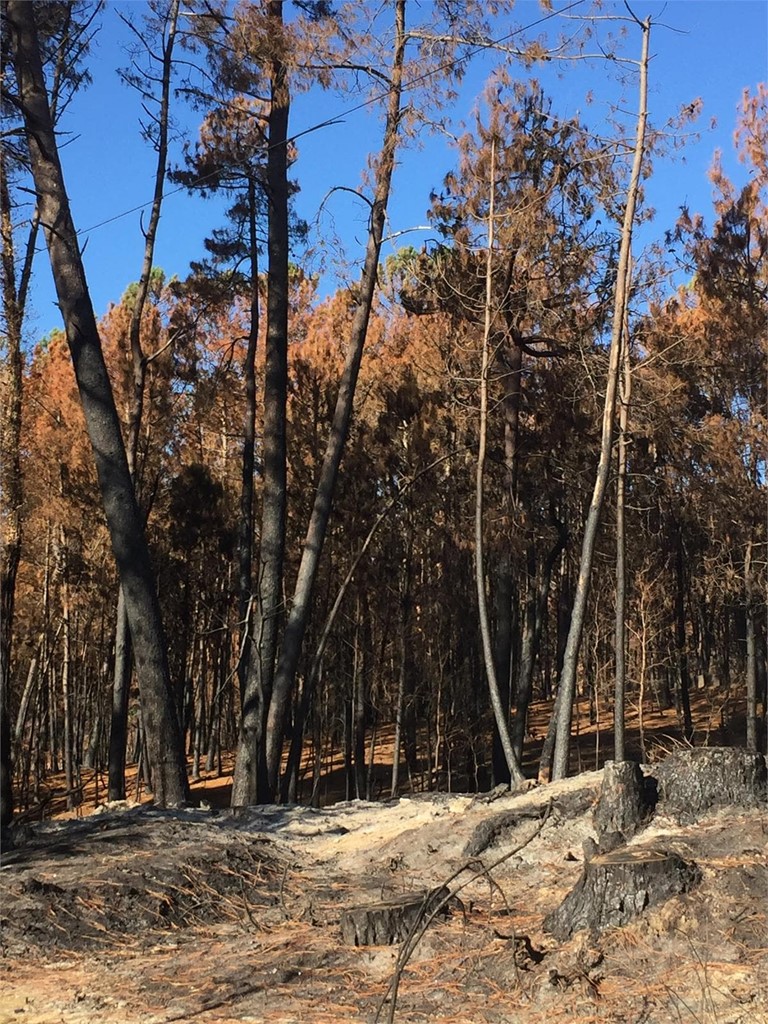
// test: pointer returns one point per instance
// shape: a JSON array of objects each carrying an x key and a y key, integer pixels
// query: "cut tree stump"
[
  {"x": 692, "y": 782},
  {"x": 615, "y": 887},
  {"x": 627, "y": 801},
  {"x": 383, "y": 924}
]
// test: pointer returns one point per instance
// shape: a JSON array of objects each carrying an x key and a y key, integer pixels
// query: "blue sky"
[{"x": 721, "y": 48}]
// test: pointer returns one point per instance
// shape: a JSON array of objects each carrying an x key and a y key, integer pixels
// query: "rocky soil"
[{"x": 136, "y": 915}]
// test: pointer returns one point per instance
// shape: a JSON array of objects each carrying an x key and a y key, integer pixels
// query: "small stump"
[
  {"x": 627, "y": 800},
  {"x": 617, "y": 886},
  {"x": 692, "y": 782},
  {"x": 383, "y": 924}
]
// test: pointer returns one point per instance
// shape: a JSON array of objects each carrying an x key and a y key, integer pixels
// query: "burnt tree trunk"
[
  {"x": 384, "y": 924},
  {"x": 615, "y": 887},
  {"x": 253, "y": 781},
  {"x": 683, "y": 692},
  {"x": 298, "y": 616},
  {"x": 627, "y": 800},
  {"x": 124, "y": 521},
  {"x": 692, "y": 782},
  {"x": 560, "y": 761}
]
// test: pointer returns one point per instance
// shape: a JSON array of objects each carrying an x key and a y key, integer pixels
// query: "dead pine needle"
[{"x": 431, "y": 907}]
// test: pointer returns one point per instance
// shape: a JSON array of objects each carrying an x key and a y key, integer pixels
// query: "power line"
[{"x": 339, "y": 118}]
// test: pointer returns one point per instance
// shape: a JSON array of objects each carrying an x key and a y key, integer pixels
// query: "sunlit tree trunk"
[
  {"x": 252, "y": 780},
  {"x": 15, "y": 287},
  {"x": 620, "y": 636},
  {"x": 245, "y": 526},
  {"x": 129, "y": 543},
  {"x": 564, "y": 706},
  {"x": 10, "y": 480},
  {"x": 298, "y": 617},
  {"x": 500, "y": 712}
]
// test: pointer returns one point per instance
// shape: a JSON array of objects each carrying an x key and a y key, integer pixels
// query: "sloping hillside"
[{"x": 135, "y": 915}]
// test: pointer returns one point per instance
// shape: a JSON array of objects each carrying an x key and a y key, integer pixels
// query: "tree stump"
[
  {"x": 383, "y": 924},
  {"x": 627, "y": 801},
  {"x": 692, "y": 782},
  {"x": 615, "y": 887}
]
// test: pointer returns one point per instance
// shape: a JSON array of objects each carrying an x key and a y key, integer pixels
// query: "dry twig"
[{"x": 425, "y": 918}]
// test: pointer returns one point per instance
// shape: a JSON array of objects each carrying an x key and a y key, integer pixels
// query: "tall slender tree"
[
  {"x": 66, "y": 33},
  {"x": 163, "y": 25},
  {"x": 164, "y": 746},
  {"x": 250, "y": 780},
  {"x": 564, "y": 707},
  {"x": 298, "y": 616},
  {"x": 499, "y": 711}
]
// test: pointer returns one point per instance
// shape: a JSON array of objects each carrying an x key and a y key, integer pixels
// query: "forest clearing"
[
  {"x": 143, "y": 915},
  {"x": 128, "y": 914},
  {"x": 383, "y": 556}
]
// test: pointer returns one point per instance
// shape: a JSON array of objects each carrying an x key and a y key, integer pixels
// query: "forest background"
[{"x": 226, "y": 381}]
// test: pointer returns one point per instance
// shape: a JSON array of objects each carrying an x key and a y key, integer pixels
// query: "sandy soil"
[{"x": 136, "y": 915}]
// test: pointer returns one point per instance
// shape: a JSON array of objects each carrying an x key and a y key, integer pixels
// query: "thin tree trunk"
[
  {"x": 502, "y": 656},
  {"x": 359, "y": 683},
  {"x": 245, "y": 526},
  {"x": 402, "y": 715},
  {"x": 121, "y": 685},
  {"x": 122, "y": 512},
  {"x": 621, "y": 542},
  {"x": 30, "y": 686},
  {"x": 10, "y": 480},
  {"x": 402, "y": 681},
  {"x": 499, "y": 711},
  {"x": 65, "y": 670},
  {"x": 642, "y": 675},
  {"x": 503, "y": 592},
  {"x": 683, "y": 692},
  {"x": 752, "y": 719},
  {"x": 53, "y": 720},
  {"x": 252, "y": 779},
  {"x": 298, "y": 617},
  {"x": 571, "y": 658}
]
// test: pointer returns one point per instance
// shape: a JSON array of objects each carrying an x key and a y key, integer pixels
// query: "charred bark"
[
  {"x": 627, "y": 800},
  {"x": 694, "y": 782},
  {"x": 123, "y": 518},
  {"x": 298, "y": 617},
  {"x": 255, "y": 777},
  {"x": 118, "y": 734},
  {"x": 616, "y": 887}
]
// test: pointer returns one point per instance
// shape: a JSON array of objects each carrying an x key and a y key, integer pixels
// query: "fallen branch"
[{"x": 431, "y": 909}]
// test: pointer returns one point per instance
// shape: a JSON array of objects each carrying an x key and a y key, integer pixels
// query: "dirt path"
[{"x": 145, "y": 916}]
